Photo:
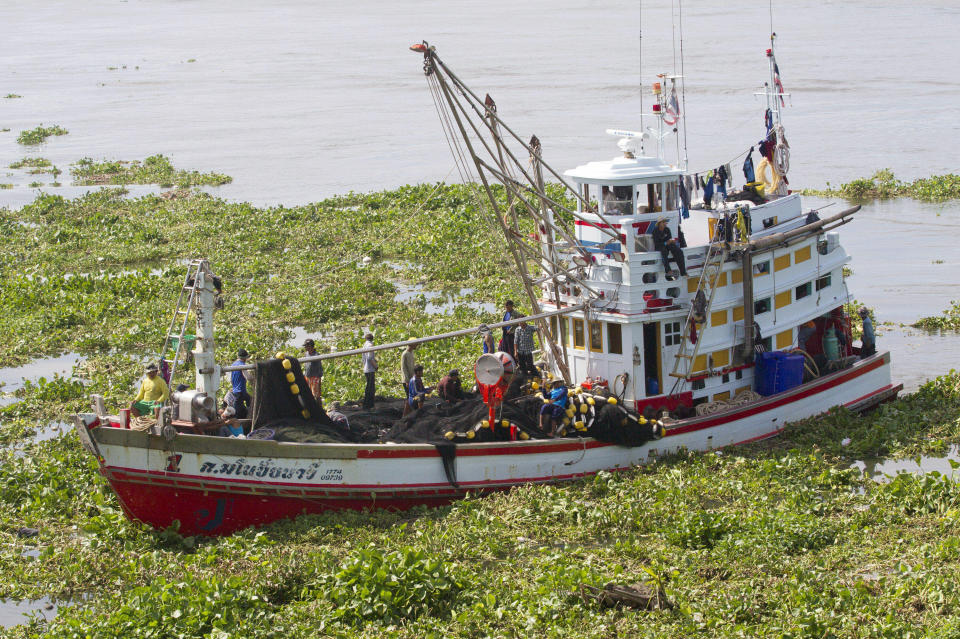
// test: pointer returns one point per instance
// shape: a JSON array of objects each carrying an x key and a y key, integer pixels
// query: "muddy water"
[
  {"x": 298, "y": 100},
  {"x": 312, "y": 101},
  {"x": 11, "y": 379},
  {"x": 14, "y": 612},
  {"x": 883, "y": 469}
]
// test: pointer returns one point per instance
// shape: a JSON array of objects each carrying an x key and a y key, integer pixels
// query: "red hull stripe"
[
  {"x": 158, "y": 479},
  {"x": 886, "y": 388}
]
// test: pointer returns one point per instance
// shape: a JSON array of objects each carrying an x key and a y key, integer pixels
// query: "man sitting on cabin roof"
[
  {"x": 153, "y": 393},
  {"x": 449, "y": 388},
  {"x": 663, "y": 241}
]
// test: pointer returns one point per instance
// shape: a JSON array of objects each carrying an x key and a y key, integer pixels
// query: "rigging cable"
[{"x": 683, "y": 85}]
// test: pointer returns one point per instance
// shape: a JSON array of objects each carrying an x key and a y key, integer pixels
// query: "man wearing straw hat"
[{"x": 663, "y": 241}]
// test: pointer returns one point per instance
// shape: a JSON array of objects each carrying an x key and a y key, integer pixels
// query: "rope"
[
  {"x": 721, "y": 405},
  {"x": 143, "y": 423}
]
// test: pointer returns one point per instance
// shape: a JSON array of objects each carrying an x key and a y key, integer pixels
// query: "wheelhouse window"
[
  {"x": 614, "y": 338},
  {"x": 671, "y": 333},
  {"x": 617, "y": 200},
  {"x": 803, "y": 290},
  {"x": 596, "y": 337},
  {"x": 761, "y": 306},
  {"x": 761, "y": 268},
  {"x": 578, "y": 335},
  {"x": 824, "y": 282}
]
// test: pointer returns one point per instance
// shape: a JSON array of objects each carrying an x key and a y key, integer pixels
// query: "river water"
[{"x": 299, "y": 101}]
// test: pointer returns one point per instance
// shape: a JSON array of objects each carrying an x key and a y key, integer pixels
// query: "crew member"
[
  {"x": 506, "y": 342},
  {"x": 370, "y": 366},
  {"x": 313, "y": 372},
  {"x": 552, "y": 413},
  {"x": 663, "y": 241},
  {"x": 238, "y": 381},
  {"x": 523, "y": 348},
  {"x": 416, "y": 391},
  {"x": 449, "y": 388},
  {"x": 868, "y": 340},
  {"x": 152, "y": 394}
]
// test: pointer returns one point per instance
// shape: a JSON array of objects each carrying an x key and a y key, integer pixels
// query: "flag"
[
  {"x": 673, "y": 108},
  {"x": 777, "y": 82}
]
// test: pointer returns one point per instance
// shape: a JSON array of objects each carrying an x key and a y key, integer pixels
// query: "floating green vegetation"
[
  {"x": 949, "y": 320},
  {"x": 35, "y": 184},
  {"x": 778, "y": 539},
  {"x": 156, "y": 169},
  {"x": 31, "y": 163},
  {"x": 40, "y": 134},
  {"x": 11, "y": 96},
  {"x": 884, "y": 185},
  {"x": 6, "y": 186}
]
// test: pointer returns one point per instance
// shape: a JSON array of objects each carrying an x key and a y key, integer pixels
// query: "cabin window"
[
  {"x": 578, "y": 336},
  {"x": 617, "y": 200},
  {"x": 699, "y": 384},
  {"x": 673, "y": 292},
  {"x": 803, "y": 290},
  {"x": 671, "y": 333},
  {"x": 649, "y": 278},
  {"x": 596, "y": 337},
  {"x": 725, "y": 378},
  {"x": 652, "y": 294},
  {"x": 649, "y": 198},
  {"x": 823, "y": 282},
  {"x": 614, "y": 339},
  {"x": 761, "y": 268},
  {"x": 739, "y": 374},
  {"x": 761, "y": 306},
  {"x": 767, "y": 344},
  {"x": 671, "y": 198}
]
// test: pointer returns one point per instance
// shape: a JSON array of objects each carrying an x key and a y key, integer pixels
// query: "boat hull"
[{"x": 215, "y": 486}]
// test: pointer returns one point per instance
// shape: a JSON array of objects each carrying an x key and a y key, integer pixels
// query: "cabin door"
[{"x": 651, "y": 358}]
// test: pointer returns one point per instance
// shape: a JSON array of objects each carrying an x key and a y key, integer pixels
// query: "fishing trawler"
[{"x": 747, "y": 333}]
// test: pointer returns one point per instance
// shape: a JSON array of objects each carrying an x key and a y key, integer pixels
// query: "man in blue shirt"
[
  {"x": 552, "y": 413},
  {"x": 238, "y": 379},
  {"x": 416, "y": 390},
  {"x": 506, "y": 344}
]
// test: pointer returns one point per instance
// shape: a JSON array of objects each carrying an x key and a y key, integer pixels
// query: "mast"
[{"x": 549, "y": 257}]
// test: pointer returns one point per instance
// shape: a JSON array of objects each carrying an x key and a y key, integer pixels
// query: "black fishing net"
[
  {"x": 277, "y": 408},
  {"x": 443, "y": 424}
]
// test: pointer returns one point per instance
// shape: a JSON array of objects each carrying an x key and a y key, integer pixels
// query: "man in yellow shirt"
[{"x": 153, "y": 393}]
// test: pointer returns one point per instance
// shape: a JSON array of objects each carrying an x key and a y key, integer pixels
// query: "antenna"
[
  {"x": 683, "y": 87},
  {"x": 641, "y": 71}
]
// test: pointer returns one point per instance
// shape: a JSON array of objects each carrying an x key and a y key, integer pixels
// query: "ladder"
[
  {"x": 181, "y": 314},
  {"x": 703, "y": 297}
]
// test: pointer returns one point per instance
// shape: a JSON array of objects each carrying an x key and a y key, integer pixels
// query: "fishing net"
[
  {"x": 441, "y": 423},
  {"x": 277, "y": 408}
]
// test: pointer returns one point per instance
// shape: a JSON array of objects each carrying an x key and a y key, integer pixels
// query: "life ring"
[{"x": 770, "y": 186}]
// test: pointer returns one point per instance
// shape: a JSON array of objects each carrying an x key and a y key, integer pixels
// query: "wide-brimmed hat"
[
  {"x": 662, "y": 218},
  {"x": 151, "y": 367}
]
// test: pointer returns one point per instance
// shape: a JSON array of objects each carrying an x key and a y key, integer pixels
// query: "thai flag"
[{"x": 777, "y": 82}]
